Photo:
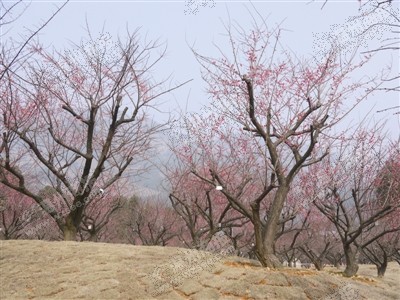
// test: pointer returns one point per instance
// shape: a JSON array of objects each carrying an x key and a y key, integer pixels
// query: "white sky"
[{"x": 166, "y": 20}]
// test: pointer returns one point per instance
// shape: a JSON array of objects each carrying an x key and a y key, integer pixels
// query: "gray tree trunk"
[
  {"x": 69, "y": 229},
  {"x": 269, "y": 259},
  {"x": 351, "y": 255}
]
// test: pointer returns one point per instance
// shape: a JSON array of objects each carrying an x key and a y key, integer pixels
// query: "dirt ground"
[{"x": 73, "y": 270}]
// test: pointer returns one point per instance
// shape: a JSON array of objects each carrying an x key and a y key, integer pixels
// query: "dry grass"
[{"x": 72, "y": 270}]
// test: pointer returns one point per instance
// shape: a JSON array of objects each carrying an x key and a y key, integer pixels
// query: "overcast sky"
[{"x": 179, "y": 24}]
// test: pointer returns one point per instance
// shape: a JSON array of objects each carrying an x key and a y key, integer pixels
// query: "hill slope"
[{"x": 73, "y": 270}]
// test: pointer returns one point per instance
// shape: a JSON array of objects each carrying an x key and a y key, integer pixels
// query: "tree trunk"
[
  {"x": 93, "y": 237},
  {"x": 269, "y": 237},
  {"x": 74, "y": 219},
  {"x": 69, "y": 229},
  {"x": 351, "y": 256},
  {"x": 317, "y": 264},
  {"x": 258, "y": 234},
  {"x": 381, "y": 269}
]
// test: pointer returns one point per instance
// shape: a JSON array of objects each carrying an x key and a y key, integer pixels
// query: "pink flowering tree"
[
  {"x": 13, "y": 221},
  {"x": 79, "y": 119},
  {"x": 153, "y": 223},
  {"x": 289, "y": 236},
  {"x": 116, "y": 229},
  {"x": 345, "y": 191},
  {"x": 382, "y": 250},
  {"x": 293, "y": 222},
  {"x": 99, "y": 212},
  {"x": 202, "y": 209},
  {"x": 318, "y": 242},
  {"x": 268, "y": 119}
]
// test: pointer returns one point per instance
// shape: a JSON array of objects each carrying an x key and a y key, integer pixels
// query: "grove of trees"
[{"x": 270, "y": 161}]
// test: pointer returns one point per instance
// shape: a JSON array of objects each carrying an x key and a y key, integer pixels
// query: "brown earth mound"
[{"x": 73, "y": 270}]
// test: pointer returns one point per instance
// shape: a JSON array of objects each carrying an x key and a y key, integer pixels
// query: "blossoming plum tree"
[
  {"x": 12, "y": 208},
  {"x": 203, "y": 210},
  {"x": 345, "y": 192},
  {"x": 82, "y": 117},
  {"x": 270, "y": 116}
]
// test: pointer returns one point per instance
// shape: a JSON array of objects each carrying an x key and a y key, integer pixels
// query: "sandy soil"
[{"x": 73, "y": 270}]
